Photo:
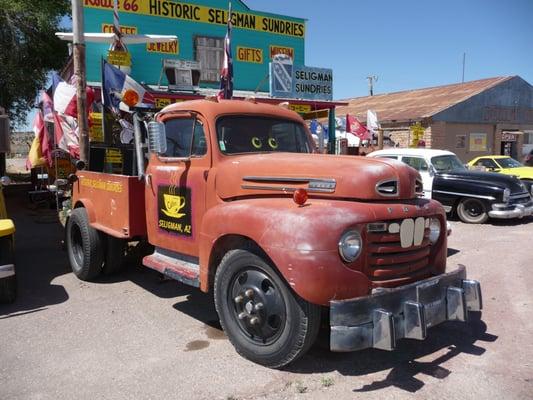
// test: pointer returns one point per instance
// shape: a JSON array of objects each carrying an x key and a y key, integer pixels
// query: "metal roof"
[{"x": 415, "y": 105}]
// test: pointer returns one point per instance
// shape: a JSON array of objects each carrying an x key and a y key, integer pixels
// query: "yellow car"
[
  {"x": 504, "y": 165},
  {"x": 8, "y": 283}
]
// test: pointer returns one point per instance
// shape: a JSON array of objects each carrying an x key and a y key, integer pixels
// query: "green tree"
[{"x": 28, "y": 51}]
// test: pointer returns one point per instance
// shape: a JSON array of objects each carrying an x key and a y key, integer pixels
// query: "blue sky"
[{"x": 411, "y": 44}]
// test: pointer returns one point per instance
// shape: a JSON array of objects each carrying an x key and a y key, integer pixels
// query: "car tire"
[
  {"x": 115, "y": 255},
  {"x": 8, "y": 285},
  {"x": 248, "y": 287},
  {"x": 472, "y": 211},
  {"x": 84, "y": 246}
]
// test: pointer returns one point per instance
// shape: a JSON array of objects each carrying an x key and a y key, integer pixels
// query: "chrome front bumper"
[
  {"x": 504, "y": 211},
  {"x": 379, "y": 320}
]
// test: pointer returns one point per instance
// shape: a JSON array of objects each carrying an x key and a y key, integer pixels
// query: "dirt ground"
[{"x": 135, "y": 336}]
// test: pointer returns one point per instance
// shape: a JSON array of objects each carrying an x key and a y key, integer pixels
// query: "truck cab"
[{"x": 234, "y": 201}]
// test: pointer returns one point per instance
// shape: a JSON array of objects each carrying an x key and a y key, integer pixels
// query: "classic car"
[
  {"x": 8, "y": 283},
  {"x": 504, "y": 165},
  {"x": 474, "y": 196}
]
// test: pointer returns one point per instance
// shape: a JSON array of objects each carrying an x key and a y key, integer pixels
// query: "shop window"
[
  {"x": 209, "y": 52},
  {"x": 528, "y": 137}
]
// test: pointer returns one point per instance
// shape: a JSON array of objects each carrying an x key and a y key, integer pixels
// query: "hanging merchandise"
[
  {"x": 66, "y": 134},
  {"x": 40, "y": 151}
]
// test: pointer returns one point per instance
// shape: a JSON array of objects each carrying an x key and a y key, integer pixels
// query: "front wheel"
[
  {"x": 264, "y": 320},
  {"x": 472, "y": 211}
]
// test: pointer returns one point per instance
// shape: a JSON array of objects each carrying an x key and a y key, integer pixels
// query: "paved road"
[{"x": 135, "y": 336}]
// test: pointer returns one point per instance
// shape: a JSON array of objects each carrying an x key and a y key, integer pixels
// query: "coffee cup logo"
[{"x": 173, "y": 205}]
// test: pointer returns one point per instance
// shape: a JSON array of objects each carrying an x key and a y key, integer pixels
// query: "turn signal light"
[{"x": 300, "y": 196}]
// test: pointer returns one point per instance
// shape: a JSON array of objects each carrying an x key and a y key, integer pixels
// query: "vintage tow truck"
[{"x": 234, "y": 200}]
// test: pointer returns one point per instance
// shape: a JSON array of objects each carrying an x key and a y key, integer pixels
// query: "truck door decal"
[{"x": 174, "y": 210}]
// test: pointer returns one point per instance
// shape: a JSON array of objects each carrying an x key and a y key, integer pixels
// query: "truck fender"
[
  {"x": 89, "y": 208},
  {"x": 306, "y": 259}
]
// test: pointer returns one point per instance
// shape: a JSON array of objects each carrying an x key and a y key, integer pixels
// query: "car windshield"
[
  {"x": 254, "y": 134},
  {"x": 447, "y": 163},
  {"x": 508, "y": 163}
]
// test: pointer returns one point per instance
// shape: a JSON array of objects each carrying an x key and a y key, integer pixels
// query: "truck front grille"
[{"x": 388, "y": 264}]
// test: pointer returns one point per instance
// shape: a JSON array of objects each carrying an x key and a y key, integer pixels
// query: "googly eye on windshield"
[
  {"x": 256, "y": 142},
  {"x": 273, "y": 143}
]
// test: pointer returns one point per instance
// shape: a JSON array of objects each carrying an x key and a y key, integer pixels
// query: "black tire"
[
  {"x": 84, "y": 246},
  {"x": 8, "y": 285},
  {"x": 472, "y": 211},
  {"x": 286, "y": 325},
  {"x": 115, "y": 253}
]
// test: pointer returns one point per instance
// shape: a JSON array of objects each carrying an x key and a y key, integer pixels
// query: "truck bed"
[{"x": 114, "y": 203}]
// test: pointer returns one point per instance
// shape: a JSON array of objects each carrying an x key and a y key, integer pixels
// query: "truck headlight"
[
  {"x": 506, "y": 195},
  {"x": 350, "y": 246},
  {"x": 434, "y": 230}
]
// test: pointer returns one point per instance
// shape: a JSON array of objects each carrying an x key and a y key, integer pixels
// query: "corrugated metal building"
[{"x": 488, "y": 116}]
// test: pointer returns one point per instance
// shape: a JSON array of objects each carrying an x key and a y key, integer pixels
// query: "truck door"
[
  {"x": 422, "y": 167},
  {"x": 176, "y": 186}
]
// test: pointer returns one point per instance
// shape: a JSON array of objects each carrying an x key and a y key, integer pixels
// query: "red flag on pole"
[{"x": 356, "y": 128}]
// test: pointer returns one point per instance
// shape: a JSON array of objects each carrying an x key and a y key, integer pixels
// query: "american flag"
[{"x": 226, "y": 75}]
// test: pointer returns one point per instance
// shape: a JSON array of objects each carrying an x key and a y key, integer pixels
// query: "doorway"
[{"x": 509, "y": 149}]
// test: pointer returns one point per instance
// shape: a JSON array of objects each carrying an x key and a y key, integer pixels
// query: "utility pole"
[
  {"x": 371, "y": 80},
  {"x": 464, "y": 63},
  {"x": 79, "y": 72}
]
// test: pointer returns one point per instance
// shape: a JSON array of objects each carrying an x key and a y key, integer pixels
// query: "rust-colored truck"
[{"x": 234, "y": 200}]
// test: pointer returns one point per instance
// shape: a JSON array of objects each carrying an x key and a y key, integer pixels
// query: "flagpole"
[
  {"x": 104, "y": 136},
  {"x": 229, "y": 86},
  {"x": 79, "y": 72}
]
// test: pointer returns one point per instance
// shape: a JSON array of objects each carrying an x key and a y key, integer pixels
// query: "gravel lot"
[{"x": 135, "y": 336}]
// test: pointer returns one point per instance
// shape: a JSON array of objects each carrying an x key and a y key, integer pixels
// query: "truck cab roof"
[{"x": 213, "y": 108}]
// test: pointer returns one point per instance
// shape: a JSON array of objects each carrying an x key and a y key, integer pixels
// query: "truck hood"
[
  {"x": 490, "y": 178},
  {"x": 348, "y": 177}
]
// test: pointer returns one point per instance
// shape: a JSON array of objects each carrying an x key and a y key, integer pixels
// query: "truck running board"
[{"x": 177, "y": 266}]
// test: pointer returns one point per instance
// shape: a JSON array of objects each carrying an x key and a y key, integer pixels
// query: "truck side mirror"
[{"x": 157, "y": 138}]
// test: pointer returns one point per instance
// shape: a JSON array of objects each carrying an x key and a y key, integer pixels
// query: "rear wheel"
[
  {"x": 264, "y": 320},
  {"x": 84, "y": 246},
  {"x": 472, "y": 211}
]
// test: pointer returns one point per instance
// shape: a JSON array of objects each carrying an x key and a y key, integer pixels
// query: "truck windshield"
[
  {"x": 251, "y": 134},
  {"x": 447, "y": 163}
]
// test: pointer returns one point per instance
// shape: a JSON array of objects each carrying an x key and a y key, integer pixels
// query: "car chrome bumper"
[
  {"x": 379, "y": 320},
  {"x": 504, "y": 211}
]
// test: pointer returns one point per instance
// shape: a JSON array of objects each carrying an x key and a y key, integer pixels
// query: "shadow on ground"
[
  {"x": 39, "y": 258},
  {"x": 457, "y": 338}
]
